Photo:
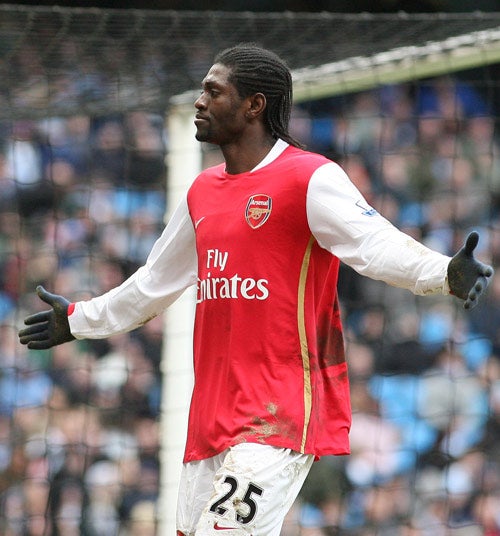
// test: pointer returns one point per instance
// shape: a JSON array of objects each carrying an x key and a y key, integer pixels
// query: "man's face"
[{"x": 220, "y": 116}]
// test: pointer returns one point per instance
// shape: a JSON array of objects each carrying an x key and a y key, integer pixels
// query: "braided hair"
[{"x": 257, "y": 70}]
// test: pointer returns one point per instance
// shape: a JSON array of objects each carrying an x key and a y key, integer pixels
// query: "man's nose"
[{"x": 200, "y": 102}]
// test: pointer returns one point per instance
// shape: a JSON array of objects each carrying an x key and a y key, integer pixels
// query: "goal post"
[
  {"x": 184, "y": 163},
  {"x": 398, "y": 65}
]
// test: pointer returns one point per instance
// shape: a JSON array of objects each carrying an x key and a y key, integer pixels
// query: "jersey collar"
[{"x": 276, "y": 150}]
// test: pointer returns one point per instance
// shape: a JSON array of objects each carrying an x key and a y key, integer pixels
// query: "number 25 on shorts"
[{"x": 244, "y": 514}]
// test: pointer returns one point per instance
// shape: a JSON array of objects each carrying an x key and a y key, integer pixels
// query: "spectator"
[{"x": 454, "y": 402}]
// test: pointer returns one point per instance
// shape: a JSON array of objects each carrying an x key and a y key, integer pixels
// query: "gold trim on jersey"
[{"x": 304, "y": 348}]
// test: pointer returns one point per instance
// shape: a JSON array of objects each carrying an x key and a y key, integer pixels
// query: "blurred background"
[{"x": 85, "y": 96}]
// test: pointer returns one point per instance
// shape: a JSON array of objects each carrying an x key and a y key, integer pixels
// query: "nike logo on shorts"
[{"x": 218, "y": 527}]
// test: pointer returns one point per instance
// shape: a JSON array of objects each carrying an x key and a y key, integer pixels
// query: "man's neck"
[{"x": 242, "y": 158}]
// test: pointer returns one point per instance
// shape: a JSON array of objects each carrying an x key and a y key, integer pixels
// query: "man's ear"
[{"x": 256, "y": 105}]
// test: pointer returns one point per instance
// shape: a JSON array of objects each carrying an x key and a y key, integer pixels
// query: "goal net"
[{"x": 96, "y": 146}]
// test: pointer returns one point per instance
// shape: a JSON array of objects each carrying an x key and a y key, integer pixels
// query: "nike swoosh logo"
[
  {"x": 197, "y": 222},
  {"x": 218, "y": 527}
]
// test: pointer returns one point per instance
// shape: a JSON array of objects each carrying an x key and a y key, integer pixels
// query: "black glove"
[
  {"x": 47, "y": 328},
  {"x": 467, "y": 277}
]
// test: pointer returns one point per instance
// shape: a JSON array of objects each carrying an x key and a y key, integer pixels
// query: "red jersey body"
[{"x": 268, "y": 349}]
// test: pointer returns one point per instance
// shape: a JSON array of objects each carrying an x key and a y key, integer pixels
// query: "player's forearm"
[
  {"x": 122, "y": 309},
  {"x": 397, "y": 259},
  {"x": 168, "y": 271}
]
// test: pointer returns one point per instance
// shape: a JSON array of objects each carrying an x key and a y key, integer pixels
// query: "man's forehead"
[{"x": 217, "y": 73}]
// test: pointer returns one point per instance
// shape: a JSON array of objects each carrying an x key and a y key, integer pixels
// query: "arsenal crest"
[{"x": 258, "y": 210}]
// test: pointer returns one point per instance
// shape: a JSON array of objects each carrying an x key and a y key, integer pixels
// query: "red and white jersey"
[{"x": 263, "y": 249}]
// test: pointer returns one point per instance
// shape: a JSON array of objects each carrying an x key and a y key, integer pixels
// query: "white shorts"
[{"x": 246, "y": 490}]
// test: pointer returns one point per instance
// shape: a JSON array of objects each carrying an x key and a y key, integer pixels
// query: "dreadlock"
[{"x": 257, "y": 70}]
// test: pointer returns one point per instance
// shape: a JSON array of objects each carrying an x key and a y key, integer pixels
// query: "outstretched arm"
[
  {"x": 169, "y": 269},
  {"x": 344, "y": 224},
  {"x": 47, "y": 328},
  {"x": 468, "y": 277}
]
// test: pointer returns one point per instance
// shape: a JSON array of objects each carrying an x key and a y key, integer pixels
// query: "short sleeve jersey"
[{"x": 268, "y": 349}]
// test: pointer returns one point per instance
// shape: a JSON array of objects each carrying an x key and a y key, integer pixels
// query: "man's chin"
[{"x": 201, "y": 136}]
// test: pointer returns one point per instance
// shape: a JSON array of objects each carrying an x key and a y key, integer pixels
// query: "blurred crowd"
[
  {"x": 82, "y": 200},
  {"x": 425, "y": 373}
]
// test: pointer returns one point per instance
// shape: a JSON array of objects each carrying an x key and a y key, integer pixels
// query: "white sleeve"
[
  {"x": 343, "y": 223},
  {"x": 170, "y": 268}
]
